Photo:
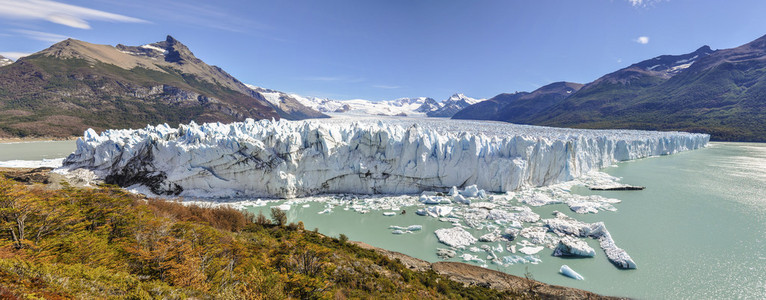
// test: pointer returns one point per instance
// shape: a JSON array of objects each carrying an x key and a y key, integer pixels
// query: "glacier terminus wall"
[{"x": 287, "y": 159}]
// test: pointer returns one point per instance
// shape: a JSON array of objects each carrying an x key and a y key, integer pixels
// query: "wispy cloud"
[
  {"x": 642, "y": 40},
  {"x": 59, "y": 13},
  {"x": 42, "y": 36},
  {"x": 388, "y": 87},
  {"x": 14, "y": 55},
  {"x": 643, "y": 3},
  {"x": 344, "y": 79}
]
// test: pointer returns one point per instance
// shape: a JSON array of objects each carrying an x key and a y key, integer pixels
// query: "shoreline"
[
  {"x": 9, "y": 140},
  {"x": 471, "y": 275}
]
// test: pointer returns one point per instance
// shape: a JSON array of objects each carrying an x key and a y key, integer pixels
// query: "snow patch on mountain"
[{"x": 410, "y": 107}]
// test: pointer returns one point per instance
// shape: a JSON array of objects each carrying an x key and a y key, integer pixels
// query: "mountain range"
[
  {"x": 720, "y": 92},
  {"x": 412, "y": 107},
  {"x": 74, "y": 85}
]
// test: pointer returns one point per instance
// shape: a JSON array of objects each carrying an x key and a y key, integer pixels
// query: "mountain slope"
[
  {"x": 514, "y": 107},
  {"x": 720, "y": 92},
  {"x": 74, "y": 85},
  {"x": 723, "y": 93}
]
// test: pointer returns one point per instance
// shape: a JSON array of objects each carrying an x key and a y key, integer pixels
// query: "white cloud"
[
  {"x": 42, "y": 36},
  {"x": 642, "y": 40},
  {"x": 59, "y": 13},
  {"x": 388, "y": 87},
  {"x": 644, "y": 3},
  {"x": 14, "y": 55}
]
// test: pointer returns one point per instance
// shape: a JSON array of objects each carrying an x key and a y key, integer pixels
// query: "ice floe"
[{"x": 455, "y": 237}]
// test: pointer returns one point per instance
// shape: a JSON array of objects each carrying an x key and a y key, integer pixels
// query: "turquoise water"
[
  {"x": 698, "y": 231},
  {"x": 36, "y": 150}
]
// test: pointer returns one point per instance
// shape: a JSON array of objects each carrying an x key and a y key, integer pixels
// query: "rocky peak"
[{"x": 176, "y": 51}]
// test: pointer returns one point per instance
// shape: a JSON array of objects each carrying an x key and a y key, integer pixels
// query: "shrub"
[{"x": 278, "y": 216}]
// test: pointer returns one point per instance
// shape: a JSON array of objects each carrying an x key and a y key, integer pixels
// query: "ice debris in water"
[{"x": 287, "y": 159}]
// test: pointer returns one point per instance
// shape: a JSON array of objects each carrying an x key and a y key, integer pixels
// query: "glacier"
[{"x": 288, "y": 159}]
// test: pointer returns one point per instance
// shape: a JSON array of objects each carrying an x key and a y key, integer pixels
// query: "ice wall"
[{"x": 290, "y": 159}]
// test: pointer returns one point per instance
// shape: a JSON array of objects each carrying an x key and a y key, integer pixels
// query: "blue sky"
[{"x": 389, "y": 49}]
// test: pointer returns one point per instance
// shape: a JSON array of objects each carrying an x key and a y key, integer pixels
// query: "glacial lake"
[{"x": 698, "y": 231}]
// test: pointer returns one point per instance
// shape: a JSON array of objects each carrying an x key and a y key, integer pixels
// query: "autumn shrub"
[{"x": 278, "y": 216}]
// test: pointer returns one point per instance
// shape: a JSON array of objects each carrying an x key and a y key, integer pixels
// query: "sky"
[{"x": 380, "y": 50}]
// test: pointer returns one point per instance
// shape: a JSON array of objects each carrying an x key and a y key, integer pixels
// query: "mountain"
[
  {"x": 721, "y": 92},
  {"x": 452, "y": 105},
  {"x": 74, "y": 85},
  {"x": 4, "y": 61},
  {"x": 512, "y": 107},
  {"x": 288, "y": 106},
  {"x": 412, "y": 107}
]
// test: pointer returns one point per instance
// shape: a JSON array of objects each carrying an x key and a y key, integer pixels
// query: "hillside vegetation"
[{"x": 104, "y": 243}]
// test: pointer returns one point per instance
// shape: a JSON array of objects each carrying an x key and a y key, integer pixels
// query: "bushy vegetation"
[{"x": 106, "y": 243}]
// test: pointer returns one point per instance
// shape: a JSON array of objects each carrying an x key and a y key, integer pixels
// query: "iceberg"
[
  {"x": 288, "y": 159},
  {"x": 571, "y": 246},
  {"x": 567, "y": 271},
  {"x": 563, "y": 225},
  {"x": 455, "y": 237}
]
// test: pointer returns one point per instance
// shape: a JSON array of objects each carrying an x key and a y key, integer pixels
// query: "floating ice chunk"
[
  {"x": 567, "y": 271},
  {"x": 472, "y": 258},
  {"x": 425, "y": 199},
  {"x": 516, "y": 259},
  {"x": 445, "y": 253},
  {"x": 398, "y": 232},
  {"x": 439, "y": 211},
  {"x": 284, "y": 207},
  {"x": 531, "y": 250},
  {"x": 461, "y": 199},
  {"x": 470, "y": 191},
  {"x": 616, "y": 255},
  {"x": 537, "y": 199},
  {"x": 572, "y": 246},
  {"x": 489, "y": 237},
  {"x": 421, "y": 212},
  {"x": 453, "y": 191},
  {"x": 306, "y": 205},
  {"x": 389, "y": 213},
  {"x": 535, "y": 234},
  {"x": 414, "y": 227},
  {"x": 564, "y": 225},
  {"x": 456, "y": 237}
]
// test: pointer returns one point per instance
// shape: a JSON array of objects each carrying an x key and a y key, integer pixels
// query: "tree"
[{"x": 278, "y": 216}]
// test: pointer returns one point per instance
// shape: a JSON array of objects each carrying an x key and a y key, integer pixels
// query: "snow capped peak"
[{"x": 155, "y": 48}]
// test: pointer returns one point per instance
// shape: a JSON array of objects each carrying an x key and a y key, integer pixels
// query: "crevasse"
[{"x": 289, "y": 159}]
